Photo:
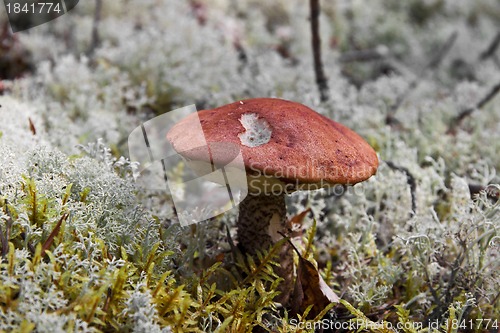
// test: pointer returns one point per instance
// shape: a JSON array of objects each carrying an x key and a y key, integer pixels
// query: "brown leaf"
[
  {"x": 297, "y": 220},
  {"x": 220, "y": 257},
  {"x": 32, "y": 126},
  {"x": 311, "y": 289}
]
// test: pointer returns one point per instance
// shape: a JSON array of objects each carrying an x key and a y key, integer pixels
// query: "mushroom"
[{"x": 286, "y": 147}]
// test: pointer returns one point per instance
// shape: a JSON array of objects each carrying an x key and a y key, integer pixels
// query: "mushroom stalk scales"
[{"x": 261, "y": 223}]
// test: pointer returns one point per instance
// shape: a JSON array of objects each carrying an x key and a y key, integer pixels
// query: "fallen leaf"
[
  {"x": 32, "y": 126},
  {"x": 310, "y": 289},
  {"x": 297, "y": 221}
]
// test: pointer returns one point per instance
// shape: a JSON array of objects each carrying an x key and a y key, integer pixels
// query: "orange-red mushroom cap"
[{"x": 278, "y": 138}]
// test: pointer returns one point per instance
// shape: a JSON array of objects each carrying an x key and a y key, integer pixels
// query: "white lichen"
[{"x": 161, "y": 57}]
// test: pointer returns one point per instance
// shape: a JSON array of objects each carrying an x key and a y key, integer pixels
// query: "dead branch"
[
  {"x": 490, "y": 51},
  {"x": 95, "y": 40},
  {"x": 410, "y": 181},
  {"x": 433, "y": 64},
  {"x": 443, "y": 51},
  {"x": 4, "y": 238},
  {"x": 492, "y": 192},
  {"x": 321, "y": 79},
  {"x": 457, "y": 121},
  {"x": 364, "y": 55}
]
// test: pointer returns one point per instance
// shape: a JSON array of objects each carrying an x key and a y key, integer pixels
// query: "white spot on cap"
[{"x": 257, "y": 131}]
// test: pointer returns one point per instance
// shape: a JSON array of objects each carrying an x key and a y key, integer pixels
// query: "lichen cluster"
[{"x": 83, "y": 248}]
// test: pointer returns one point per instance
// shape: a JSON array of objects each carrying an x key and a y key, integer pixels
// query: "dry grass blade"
[{"x": 46, "y": 245}]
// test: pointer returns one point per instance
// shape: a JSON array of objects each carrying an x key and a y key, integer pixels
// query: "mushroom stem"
[{"x": 261, "y": 223}]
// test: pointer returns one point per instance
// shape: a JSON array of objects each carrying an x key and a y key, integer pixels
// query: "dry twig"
[
  {"x": 433, "y": 64},
  {"x": 4, "y": 238},
  {"x": 411, "y": 182},
  {"x": 490, "y": 51},
  {"x": 321, "y": 79},
  {"x": 95, "y": 39},
  {"x": 457, "y": 121},
  {"x": 377, "y": 53},
  {"x": 492, "y": 192}
]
